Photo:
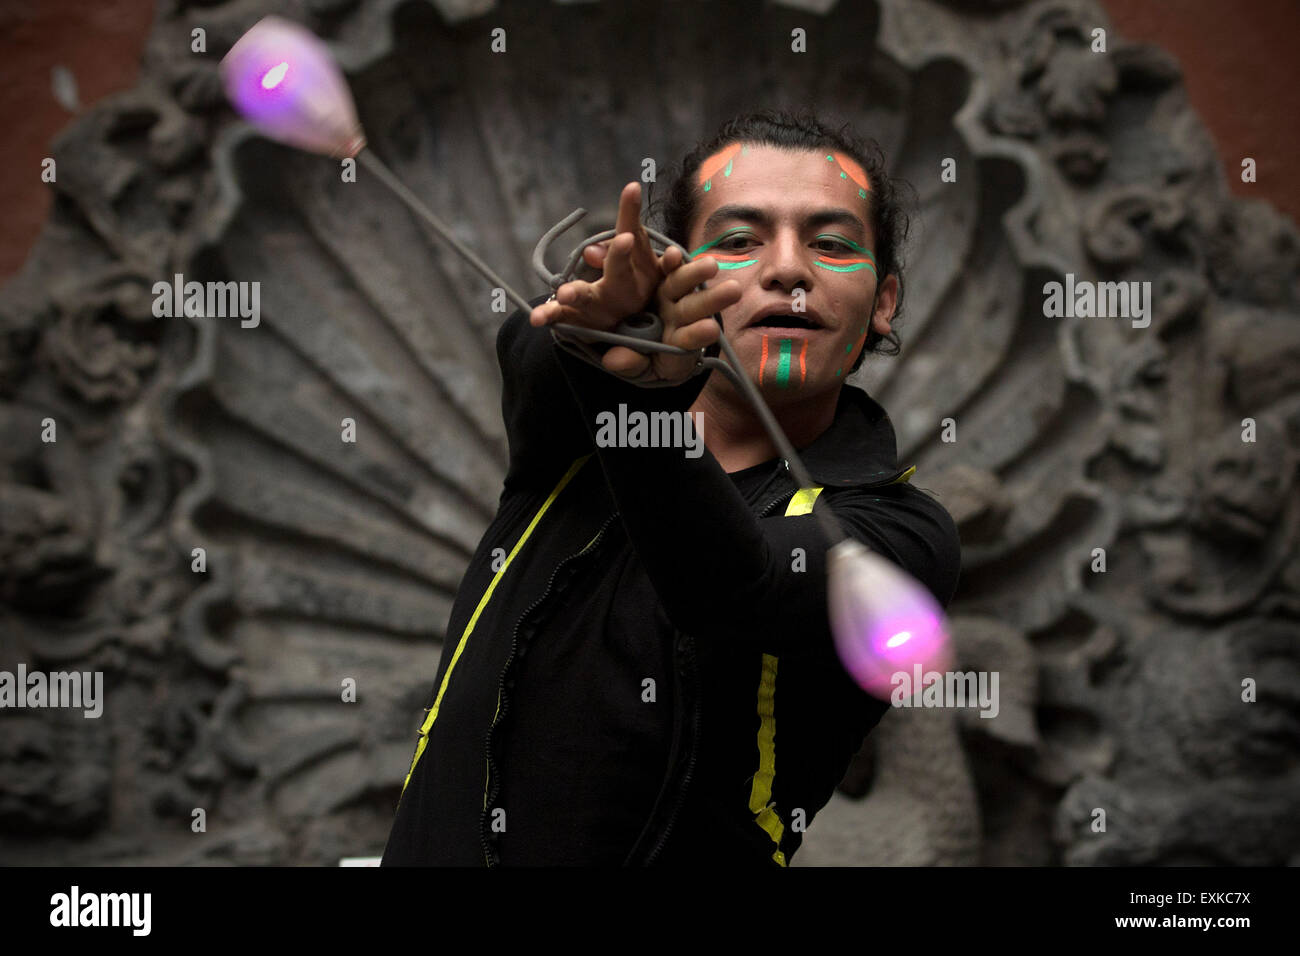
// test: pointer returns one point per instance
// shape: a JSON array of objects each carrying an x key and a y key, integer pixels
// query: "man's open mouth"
[{"x": 785, "y": 322}]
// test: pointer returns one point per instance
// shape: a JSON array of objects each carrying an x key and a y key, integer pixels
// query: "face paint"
[
  {"x": 783, "y": 365},
  {"x": 784, "y": 361},
  {"x": 850, "y": 169},
  {"x": 738, "y": 261},
  {"x": 850, "y": 349},
  {"x": 734, "y": 262},
  {"x": 721, "y": 160},
  {"x": 867, "y": 259},
  {"x": 846, "y": 265}
]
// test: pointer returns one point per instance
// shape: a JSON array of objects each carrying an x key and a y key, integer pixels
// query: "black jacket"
[{"x": 639, "y": 666}]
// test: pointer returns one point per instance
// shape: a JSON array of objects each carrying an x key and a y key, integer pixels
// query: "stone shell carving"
[{"x": 328, "y": 561}]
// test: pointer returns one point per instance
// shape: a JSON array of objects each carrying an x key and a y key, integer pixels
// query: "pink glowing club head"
[
  {"x": 884, "y": 620},
  {"x": 281, "y": 78}
]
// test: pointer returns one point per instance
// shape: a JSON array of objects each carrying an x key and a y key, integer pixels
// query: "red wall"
[{"x": 1242, "y": 71}]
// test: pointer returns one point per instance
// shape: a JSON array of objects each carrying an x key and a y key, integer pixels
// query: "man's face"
[{"x": 779, "y": 221}]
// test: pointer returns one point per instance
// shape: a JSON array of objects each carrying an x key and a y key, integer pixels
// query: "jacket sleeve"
[
  {"x": 545, "y": 426},
  {"x": 544, "y": 429},
  {"x": 724, "y": 574}
]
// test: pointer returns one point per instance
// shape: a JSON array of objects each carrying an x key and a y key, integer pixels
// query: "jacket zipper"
[
  {"x": 690, "y": 763},
  {"x": 501, "y": 684}
]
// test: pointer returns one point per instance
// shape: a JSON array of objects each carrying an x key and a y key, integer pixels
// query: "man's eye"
[
  {"x": 836, "y": 245},
  {"x": 727, "y": 243}
]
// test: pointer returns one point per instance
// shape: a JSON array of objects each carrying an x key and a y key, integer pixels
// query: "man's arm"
[
  {"x": 545, "y": 427},
  {"x": 723, "y": 573}
]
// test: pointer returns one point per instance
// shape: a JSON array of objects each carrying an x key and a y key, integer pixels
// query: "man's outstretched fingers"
[
  {"x": 670, "y": 260},
  {"x": 703, "y": 303},
  {"x": 575, "y": 293},
  {"x": 686, "y": 277},
  {"x": 618, "y": 261},
  {"x": 629, "y": 208},
  {"x": 546, "y": 313},
  {"x": 698, "y": 335}
]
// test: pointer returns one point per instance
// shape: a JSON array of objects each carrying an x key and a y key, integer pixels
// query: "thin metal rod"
[
  {"x": 832, "y": 527},
  {"x": 385, "y": 175}
]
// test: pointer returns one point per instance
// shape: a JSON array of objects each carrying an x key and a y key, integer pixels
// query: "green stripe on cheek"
[{"x": 849, "y": 268}]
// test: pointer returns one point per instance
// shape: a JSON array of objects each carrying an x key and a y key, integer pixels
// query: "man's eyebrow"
[{"x": 760, "y": 217}]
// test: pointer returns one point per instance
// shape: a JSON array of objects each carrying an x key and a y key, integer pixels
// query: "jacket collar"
[{"x": 858, "y": 448}]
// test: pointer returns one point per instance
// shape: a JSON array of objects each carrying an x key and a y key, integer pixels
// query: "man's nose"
[{"x": 786, "y": 266}]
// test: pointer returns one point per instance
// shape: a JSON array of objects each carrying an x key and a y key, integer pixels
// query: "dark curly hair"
[{"x": 802, "y": 129}]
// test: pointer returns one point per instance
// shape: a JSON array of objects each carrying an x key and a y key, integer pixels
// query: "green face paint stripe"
[
  {"x": 727, "y": 171},
  {"x": 853, "y": 268},
  {"x": 847, "y": 240},
  {"x": 783, "y": 366},
  {"x": 726, "y": 235},
  {"x": 736, "y": 265}
]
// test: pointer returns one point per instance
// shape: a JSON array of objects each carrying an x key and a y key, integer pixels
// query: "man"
[{"x": 639, "y": 665}]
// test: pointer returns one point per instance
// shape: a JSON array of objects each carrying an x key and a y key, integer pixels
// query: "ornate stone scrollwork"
[{"x": 200, "y": 533}]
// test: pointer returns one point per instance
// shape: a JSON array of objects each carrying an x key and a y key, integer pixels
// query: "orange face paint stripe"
[
  {"x": 855, "y": 171},
  {"x": 803, "y": 369},
  {"x": 716, "y": 162},
  {"x": 762, "y": 363}
]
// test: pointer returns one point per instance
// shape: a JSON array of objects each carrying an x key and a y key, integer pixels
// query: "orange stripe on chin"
[{"x": 762, "y": 363}]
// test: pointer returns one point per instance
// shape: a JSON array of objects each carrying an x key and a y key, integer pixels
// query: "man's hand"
[
  {"x": 687, "y": 315},
  {"x": 635, "y": 279},
  {"x": 631, "y": 275}
]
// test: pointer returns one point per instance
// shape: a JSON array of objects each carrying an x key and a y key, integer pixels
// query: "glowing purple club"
[
  {"x": 281, "y": 77},
  {"x": 884, "y": 620}
]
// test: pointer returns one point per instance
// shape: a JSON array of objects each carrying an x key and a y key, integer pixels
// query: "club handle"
[{"x": 643, "y": 325}]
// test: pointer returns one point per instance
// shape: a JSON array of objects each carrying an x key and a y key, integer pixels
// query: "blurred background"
[{"x": 1121, "y": 689}]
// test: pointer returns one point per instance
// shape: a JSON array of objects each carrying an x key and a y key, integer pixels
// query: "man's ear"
[{"x": 883, "y": 305}]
